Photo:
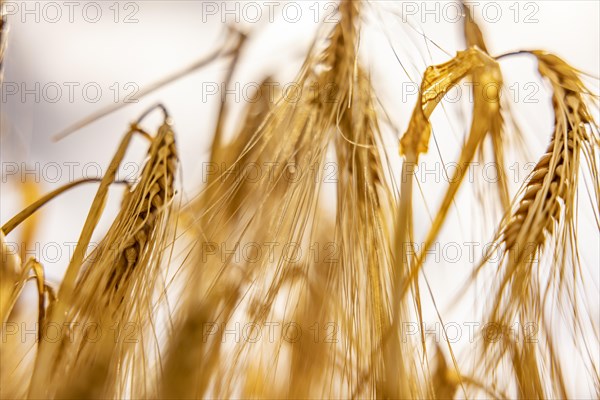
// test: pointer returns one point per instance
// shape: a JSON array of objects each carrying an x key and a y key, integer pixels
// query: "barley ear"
[
  {"x": 120, "y": 281},
  {"x": 542, "y": 220},
  {"x": 47, "y": 350}
]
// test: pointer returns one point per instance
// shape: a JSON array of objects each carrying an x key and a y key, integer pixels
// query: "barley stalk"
[
  {"x": 33, "y": 207},
  {"x": 437, "y": 81},
  {"x": 474, "y": 37}
]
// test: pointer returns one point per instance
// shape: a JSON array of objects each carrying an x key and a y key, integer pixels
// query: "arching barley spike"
[
  {"x": 118, "y": 286},
  {"x": 543, "y": 221}
]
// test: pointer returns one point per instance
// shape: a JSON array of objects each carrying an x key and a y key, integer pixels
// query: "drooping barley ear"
[
  {"x": 119, "y": 284},
  {"x": 145, "y": 206},
  {"x": 48, "y": 352},
  {"x": 543, "y": 220},
  {"x": 547, "y": 203},
  {"x": 145, "y": 197}
]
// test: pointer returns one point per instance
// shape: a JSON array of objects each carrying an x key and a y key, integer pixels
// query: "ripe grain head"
[
  {"x": 119, "y": 286},
  {"x": 543, "y": 221}
]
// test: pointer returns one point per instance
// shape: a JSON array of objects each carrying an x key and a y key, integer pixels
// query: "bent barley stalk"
[
  {"x": 487, "y": 121},
  {"x": 33, "y": 207},
  {"x": 437, "y": 81},
  {"x": 474, "y": 37}
]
